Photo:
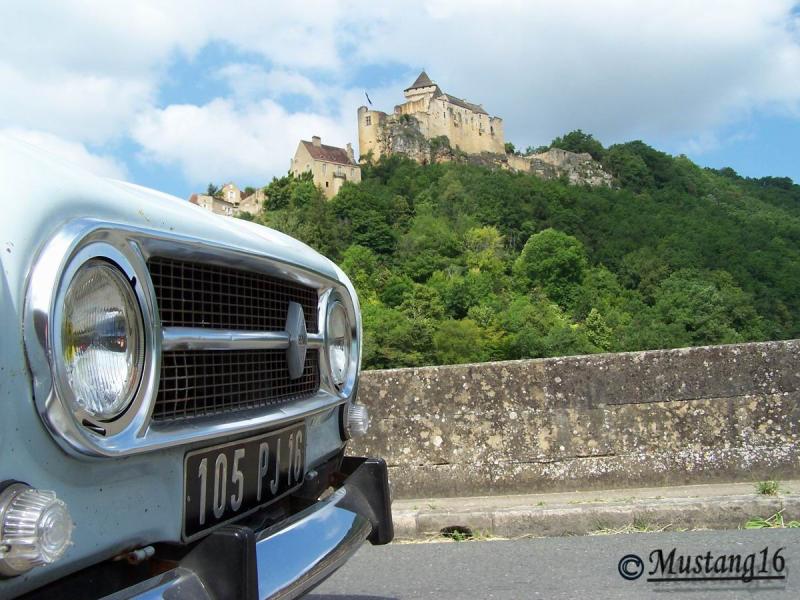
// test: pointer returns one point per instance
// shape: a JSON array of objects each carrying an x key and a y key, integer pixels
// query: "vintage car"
[{"x": 177, "y": 390}]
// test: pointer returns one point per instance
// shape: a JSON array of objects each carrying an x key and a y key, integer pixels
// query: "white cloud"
[
  {"x": 72, "y": 152},
  {"x": 79, "y": 106},
  {"x": 83, "y": 70},
  {"x": 90, "y": 71},
  {"x": 619, "y": 69},
  {"x": 249, "y": 81},
  {"x": 221, "y": 141}
]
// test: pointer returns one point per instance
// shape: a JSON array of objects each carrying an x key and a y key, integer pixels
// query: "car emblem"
[{"x": 298, "y": 340}]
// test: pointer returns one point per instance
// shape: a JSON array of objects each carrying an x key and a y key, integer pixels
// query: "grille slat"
[
  {"x": 203, "y": 295},
  {"x": 195, "y": 384},
  {"x": 205, "y": 383}
]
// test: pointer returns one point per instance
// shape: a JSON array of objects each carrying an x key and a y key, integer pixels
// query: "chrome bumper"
[{"x": 289, "y": 559}]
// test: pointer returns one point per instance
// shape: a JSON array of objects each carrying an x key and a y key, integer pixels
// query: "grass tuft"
[
  {"x": 776, "y": 521},
  {"x": 768, "y": 488}
]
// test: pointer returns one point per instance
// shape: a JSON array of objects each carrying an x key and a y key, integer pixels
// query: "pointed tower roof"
[{"x": 422, "y": 81}]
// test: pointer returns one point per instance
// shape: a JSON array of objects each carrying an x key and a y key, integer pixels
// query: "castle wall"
[{"x": 468, "y": 131}]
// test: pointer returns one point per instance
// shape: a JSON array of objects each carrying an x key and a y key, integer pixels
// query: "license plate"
[{"x": 229, "y": 480}]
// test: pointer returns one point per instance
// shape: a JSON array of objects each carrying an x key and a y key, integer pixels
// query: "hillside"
[{"x": 460, "y": 263}]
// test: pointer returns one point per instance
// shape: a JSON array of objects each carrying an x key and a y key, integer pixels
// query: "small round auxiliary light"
[
  {"x": 356, "y": 420},
  {"x": 35, "y": 528}
]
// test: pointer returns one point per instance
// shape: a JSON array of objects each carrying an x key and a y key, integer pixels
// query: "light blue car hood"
[{"x": 41, "y": 192}]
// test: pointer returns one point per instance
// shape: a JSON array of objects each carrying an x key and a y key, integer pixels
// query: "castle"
[
  {"x": 428, "y": 114},
  {"x": 430, "y": 126}
]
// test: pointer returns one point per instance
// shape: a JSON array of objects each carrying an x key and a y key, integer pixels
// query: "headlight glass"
[
  {"x": 102, "y": 340},
  {"x": 340, "y": 338}
]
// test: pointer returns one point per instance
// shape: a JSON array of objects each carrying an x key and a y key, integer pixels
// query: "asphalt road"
[{"x": 574, "y": 567}]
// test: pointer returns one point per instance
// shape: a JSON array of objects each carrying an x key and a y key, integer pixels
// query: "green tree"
[
  {"x": 363, "y": 216},
  {"x": 629, "y": 168},
  {"x": 278, "y": 192},
  {"x": 429, "y": 245},
  {"x": 598, "y": 331},
  {"x": 457, "y": 342},
  {"x": 553, "y": 261},
  {"x": 392, "y": 339},
  {"x": 693, "y": 308},
  {"x": 578, "y": 141},
  {"x": 396, "y": 290},
  {"x": 484, "y": 249},
  {"x": 456, "y": 261},
  {"x": 361, "y": 265},
  {"x": 535, "y": 327}
]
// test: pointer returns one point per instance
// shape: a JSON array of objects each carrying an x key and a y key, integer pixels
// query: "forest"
[{"x": 456, "y": 262}]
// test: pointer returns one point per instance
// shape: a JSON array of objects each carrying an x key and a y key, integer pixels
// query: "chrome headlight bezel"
[
  {"x": 121, "y": 269},
  {"x": 55, "y": 270},
  {"x": 345, "y": 385}
]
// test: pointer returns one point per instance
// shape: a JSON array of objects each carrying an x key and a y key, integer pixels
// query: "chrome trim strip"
[
  {"x": 197, "y": 338},
  {"x": 82, "y": 239}
]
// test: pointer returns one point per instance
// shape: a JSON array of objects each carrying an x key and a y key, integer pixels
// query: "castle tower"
[
  {"x": 369, "y": 131},
  {"x": 422, "y": 86}
]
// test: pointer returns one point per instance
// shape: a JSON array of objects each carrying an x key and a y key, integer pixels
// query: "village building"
[
  {"x": 230, "y": 201},
  {"x": 213, "y": 204},
  {"x": 429, "y": 113},
  {"x": 230, "y": 193},
  {"x": 330, "y": 166},
  {"x": 253, "y": 203}
]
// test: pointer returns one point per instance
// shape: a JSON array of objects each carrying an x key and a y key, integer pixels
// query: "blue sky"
[{"x": 174, "y": 94}]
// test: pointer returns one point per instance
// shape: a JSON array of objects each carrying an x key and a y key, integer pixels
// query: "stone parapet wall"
[{"x": 693, "y": 415}]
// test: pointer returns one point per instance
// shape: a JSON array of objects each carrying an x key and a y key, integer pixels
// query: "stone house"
[
  {"x": 230, "y": 193},
  {"x": 230, "y": 201},
  {"x": 215, "y": 204},
  {"x": 331, "y": 166},
  {"x": 434, "y": 114},
  {"x": 252, "y": 203}
]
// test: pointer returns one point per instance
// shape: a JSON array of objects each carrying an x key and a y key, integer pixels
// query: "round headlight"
[
  {"x": 340, "y": 338},
  {"x": 102, "y": 340}
]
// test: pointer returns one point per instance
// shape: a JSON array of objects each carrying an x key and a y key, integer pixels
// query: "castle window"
[
  {"x": 326, "y": 184},
  {"x": 368, "y": 120},
  {"x": 352, "y": 173},
  {"x": 324, "y": 168}
]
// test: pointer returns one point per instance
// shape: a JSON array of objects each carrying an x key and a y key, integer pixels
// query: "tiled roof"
[
  {"x": 328, "y": 153},
  {"x": 476, "y": 108},
  {"x": 422, "y": 81}
]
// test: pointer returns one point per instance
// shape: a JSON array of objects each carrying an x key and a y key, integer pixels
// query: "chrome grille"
[
  {"x": 204, "y": 383},
  {"x": 203, "y": 295}
]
